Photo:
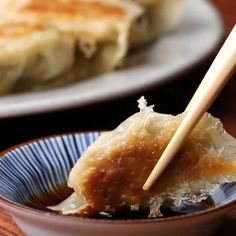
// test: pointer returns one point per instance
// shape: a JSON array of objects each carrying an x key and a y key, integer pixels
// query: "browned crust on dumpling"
[
  {"x": 18, "y": 29},
  {"x": 118, "y": 179},
  {"x": 73, "y": 8}
]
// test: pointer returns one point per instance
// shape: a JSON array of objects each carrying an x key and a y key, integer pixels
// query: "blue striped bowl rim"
[{"x": 24, "y": 169}]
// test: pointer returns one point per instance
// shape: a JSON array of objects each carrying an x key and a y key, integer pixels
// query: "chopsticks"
[{"x": 211, "y": 85}]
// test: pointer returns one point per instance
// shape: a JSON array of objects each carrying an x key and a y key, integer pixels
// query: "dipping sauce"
[
  {"x": 48, "y": 198},
  {"x": 61, "y": 192}
]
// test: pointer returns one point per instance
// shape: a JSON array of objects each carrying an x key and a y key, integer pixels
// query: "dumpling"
[
  {"x": 42, "y": 40},
  {"x": 32, "y": 51},
  {"x": 48, "y": 43},
  {"x": 159, "y": 16},
  {"x": 111, "y": 172}
]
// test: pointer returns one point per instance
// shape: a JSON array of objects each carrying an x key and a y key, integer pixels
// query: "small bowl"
[{"x": 43, "y": 166}]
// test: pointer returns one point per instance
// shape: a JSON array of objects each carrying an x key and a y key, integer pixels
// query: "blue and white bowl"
[{"x": 43, "y": 166}]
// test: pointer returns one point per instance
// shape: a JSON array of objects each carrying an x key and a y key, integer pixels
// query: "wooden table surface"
[{"x": 109, "y": 115}]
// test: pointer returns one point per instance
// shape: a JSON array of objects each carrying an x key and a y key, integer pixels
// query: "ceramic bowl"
[{"x": 42, "y": 165}]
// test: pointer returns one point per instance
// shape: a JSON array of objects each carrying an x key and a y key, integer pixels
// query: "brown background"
[{"x": 106, "y": 116}]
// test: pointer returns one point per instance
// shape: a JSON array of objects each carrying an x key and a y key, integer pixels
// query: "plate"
[{"x": 191, "y": 41}]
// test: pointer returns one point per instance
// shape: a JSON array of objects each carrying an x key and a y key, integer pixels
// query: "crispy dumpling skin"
[{"x": 111, "y": 173}]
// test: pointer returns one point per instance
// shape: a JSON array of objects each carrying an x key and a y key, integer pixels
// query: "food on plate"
[
  {"x": 158, "y": 17},
  {"x": 111, "y": 172},
  {"x": 33, "y": 53},
  {"x": 46, "y": 43},
  {"x": 41, "y": 40}
]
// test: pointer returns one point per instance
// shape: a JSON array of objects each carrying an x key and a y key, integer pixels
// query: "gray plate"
[{"x": 196, "y": 36}]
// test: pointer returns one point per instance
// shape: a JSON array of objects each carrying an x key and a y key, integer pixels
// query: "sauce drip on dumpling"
[{"x": 112, "y": 171}]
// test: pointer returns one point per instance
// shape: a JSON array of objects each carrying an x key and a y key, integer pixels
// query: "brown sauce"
[
  {"x": 104, "y": 187},
  {"x": 50, "y": 198},
  {"x": 61, "y": 192},
  {"x": 118, "y": 180}
]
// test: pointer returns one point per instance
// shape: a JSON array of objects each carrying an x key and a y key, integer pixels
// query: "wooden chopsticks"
[{"x": 212, "y": 84}]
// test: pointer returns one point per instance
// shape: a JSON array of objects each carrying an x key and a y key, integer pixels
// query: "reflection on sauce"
[{"x": 49, "y": 198}]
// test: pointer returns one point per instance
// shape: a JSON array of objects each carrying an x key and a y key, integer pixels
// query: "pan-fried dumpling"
[
  {"x": 48, "y": 43},
  {"x": 111, "y": 173},
  {"x": 41, "y": 40},
  {"x": 158, "y": 17},
  {"x": 32, "y": 51}
]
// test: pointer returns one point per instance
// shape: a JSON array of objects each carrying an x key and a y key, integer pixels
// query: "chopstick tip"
[{"x": 146, "y": 187}]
